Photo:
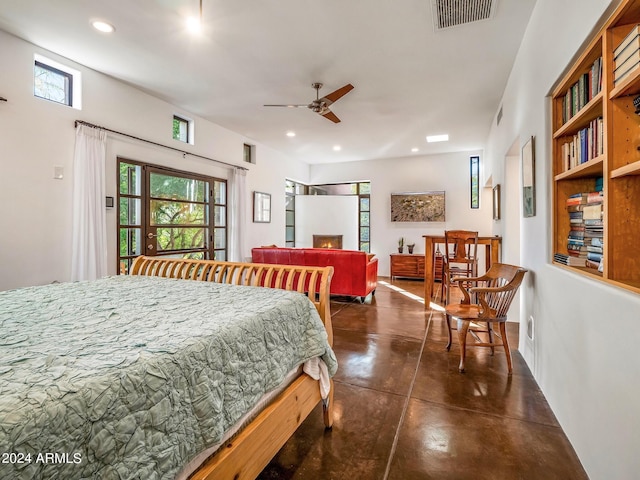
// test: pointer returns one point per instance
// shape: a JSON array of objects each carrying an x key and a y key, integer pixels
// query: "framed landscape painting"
[{"x": 417, "y": 207}]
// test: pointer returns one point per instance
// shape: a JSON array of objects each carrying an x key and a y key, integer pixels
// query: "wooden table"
[{"x": 492, "y": 245}]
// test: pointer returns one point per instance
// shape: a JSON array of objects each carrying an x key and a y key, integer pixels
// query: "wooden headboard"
[{"x": 315, "y": 282}]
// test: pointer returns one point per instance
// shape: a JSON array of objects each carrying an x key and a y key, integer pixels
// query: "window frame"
[
  {"x": 249, "y": 153},
  {"x": 189, "y": 128},
  {"x": 72, "y": 79},
  {"x": 474, "y": 182}
]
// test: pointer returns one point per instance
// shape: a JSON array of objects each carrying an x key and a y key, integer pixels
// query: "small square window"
[
  {"x": 249, "y": 153},
  {"x": 181, "y": 129},
  {"x": 56, "y": 82}
]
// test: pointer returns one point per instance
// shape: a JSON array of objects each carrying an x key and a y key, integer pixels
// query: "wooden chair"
[
  {"x": 460, "y": 258},
  {"x": 494, "y": 292}
]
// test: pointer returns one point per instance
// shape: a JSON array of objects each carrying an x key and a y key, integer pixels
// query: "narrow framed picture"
[
  {"x": 261, "y": 207},
  {"x": 496, "y": 202}
]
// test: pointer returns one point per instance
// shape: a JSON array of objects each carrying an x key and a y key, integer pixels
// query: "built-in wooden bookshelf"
[{"x": 618, "y": 163}]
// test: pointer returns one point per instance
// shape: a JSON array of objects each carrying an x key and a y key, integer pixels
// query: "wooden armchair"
[
  {"x": 483, "y": 305},
  {"x": 460, "y": 258}
]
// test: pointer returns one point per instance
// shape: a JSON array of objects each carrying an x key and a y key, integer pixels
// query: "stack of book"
[
  {"x": 585, "y": 240},
  {"x": 580, "y": 93},
  {"x": 587, "y": 144},
  {"x": 569, "y": 260},
  {"x": 626, "y": 58}
]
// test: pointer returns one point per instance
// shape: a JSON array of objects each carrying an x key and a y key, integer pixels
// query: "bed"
[{"x": 131, "y": 376}]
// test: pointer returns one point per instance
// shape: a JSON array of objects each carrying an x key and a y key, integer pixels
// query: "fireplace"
[{"x": 327, "y": 241}]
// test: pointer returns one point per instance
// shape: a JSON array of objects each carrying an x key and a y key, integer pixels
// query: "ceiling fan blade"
[
  {"x": 333, "y": 96},
  {"x": 288, "y": 106},
  {"x": 331, "y": 116}
]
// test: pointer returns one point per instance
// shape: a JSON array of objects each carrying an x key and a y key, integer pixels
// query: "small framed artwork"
[
  {"x": 528, "y": 179},
  {"x": 261, "y": 207},
  {"x": 496, "y": 202}
]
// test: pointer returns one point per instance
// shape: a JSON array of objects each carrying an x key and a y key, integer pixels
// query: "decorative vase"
[
  {"x": 400, "y": 249},
  {"x": 410, "y": 248}
]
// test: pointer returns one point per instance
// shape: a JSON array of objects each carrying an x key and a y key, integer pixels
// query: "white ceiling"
[{"x": 410, "y": 80}]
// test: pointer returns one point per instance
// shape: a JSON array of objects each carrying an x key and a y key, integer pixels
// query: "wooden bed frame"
[{"x": 249, "y": 452}]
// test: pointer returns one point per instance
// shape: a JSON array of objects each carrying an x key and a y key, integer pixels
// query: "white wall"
[
  {"x": 327, "y": 215},
  {"x": 36, "y": 135},
  {"x": 585, "y": 355},
  {"x": 448, "y": 172}
]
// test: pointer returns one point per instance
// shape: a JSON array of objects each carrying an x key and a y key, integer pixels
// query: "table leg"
[{"x": 428, "y": 271}]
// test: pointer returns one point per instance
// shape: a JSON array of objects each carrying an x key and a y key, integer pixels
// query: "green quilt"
[{"x": 131, "y": 376}]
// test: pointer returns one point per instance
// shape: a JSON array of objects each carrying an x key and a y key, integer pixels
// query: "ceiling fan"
[{"x": 321, "y": 105}]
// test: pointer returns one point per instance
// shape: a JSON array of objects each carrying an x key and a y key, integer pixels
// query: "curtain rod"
[{"x": 91, "y": 125}]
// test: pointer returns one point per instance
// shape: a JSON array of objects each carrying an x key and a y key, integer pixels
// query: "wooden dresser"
[{"x": 412, "y": 266}]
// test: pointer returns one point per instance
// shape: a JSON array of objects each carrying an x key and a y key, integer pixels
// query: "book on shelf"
[
  {"x": 585, "y": 145},
  {"x": 594, "y": 256},
  {"x": 628, "y": 67},
  {"x": 595, "y": 197},
  {"x": 599, "y": 184},
  {"x": 569, "y": 260},
  {"x": 626, "y": 57},
  {"x": 592, "y": 212},
  {"x": 627, "y": 43},
  {"x": 585, "y": 212},
  {"x": 584, "y": 199},
  {"x": 593, "y": 223},
  {"x": 580, "y": 93}
]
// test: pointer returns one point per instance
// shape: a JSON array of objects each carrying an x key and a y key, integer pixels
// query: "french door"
[{"x": 170, "y": 213}]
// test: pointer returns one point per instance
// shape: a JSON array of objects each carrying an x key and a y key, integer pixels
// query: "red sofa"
[{"x": 354, "y": 273}]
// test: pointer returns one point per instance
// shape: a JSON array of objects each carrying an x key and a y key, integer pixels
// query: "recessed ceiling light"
[
  {"x": 437, "y": 138},
  {"x": 337, "y": 148},
  {"x": 194, "y": 25},
  {"x": 415, "y": 149},
  {"x": 103, "y": 27},
  {"x": 291, "y": 134}
]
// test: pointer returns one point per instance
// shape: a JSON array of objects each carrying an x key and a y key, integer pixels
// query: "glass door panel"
[
  {"x": 177, "y": 210},
  {"x": 169, "y": 213},
  {"x": 130, "y": 214}
]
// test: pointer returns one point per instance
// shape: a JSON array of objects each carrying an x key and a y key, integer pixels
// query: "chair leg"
[
  {"x": 447, "y": 299},
  {"x": 448, "y": 317},
  {"x": 463, "y": 328},
  {"x": 490, "y": 335},
  {"x": 505, "y": 343}
]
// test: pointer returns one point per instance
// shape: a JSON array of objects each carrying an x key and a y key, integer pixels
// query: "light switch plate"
[{"x": 58, "y": 172}]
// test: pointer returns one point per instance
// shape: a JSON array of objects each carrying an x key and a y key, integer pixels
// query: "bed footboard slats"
[{"x": 313, "y": 281}]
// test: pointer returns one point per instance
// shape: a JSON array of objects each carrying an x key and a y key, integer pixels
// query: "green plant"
[{"x": 401, "y": 242}]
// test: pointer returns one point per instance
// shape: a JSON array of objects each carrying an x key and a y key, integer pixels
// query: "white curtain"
[
  {"x": 89, "y": 230},
  {"x": 238, "y": 216}
]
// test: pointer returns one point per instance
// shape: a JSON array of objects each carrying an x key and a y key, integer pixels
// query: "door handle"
[{"x": 151, "y": 235}]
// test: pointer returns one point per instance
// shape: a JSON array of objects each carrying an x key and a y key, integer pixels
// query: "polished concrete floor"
[{"x": 403, "y": 411}]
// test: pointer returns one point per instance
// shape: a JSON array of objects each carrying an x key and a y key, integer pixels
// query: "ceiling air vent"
[{"x": 449, "y": 13}]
